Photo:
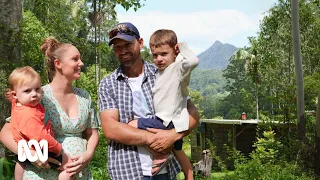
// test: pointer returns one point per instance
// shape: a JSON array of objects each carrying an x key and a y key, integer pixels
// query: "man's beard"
[{"x": 131, "y": 62}]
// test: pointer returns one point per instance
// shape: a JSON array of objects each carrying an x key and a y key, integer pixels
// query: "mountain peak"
[
  {"x": 217, "y": 42},
  {"x": 217, "y": 56}
]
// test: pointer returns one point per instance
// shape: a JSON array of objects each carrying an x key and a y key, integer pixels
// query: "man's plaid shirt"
[{"x": 115, "y": 93}]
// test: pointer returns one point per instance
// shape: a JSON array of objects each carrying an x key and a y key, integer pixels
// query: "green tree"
[
  {"x": 86, "y": 80},
  {"x": 241, "y": 88},
  {"x": 211, "y": 106},
  {"x": 274, "y": 55},
  {"x": 146, "y": 54},
  {"x": 196, "y": 98},
  {"x": 298, "y": 69},
  {"x": 33, "y": 34},
  {"x": 10, "y": 45},
  {"x": 312, "y": 86}
]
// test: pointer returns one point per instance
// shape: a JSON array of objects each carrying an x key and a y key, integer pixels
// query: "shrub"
[
  {"x": 99, "y": 160},
  {"x": 6, "y": 168},
  {"x": 267, "y": 163}
]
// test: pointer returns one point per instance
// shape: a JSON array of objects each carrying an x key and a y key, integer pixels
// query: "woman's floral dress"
[{"x": 66, "y": 132}]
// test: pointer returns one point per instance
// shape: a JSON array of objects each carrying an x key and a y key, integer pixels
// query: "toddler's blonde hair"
[{"x": 19, "y": 77}]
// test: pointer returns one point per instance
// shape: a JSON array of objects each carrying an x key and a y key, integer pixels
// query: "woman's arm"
[
  {"x": 81, "y": 161},
  {"x": 92, "y": 137},
  {"x": 7, "y": 139}
]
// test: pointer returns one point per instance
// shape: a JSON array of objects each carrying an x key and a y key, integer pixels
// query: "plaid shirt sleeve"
[{"x": 106, "y": 97}]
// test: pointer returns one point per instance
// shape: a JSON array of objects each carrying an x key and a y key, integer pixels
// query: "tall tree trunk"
[
  {"x": 10, "y": 35},
  {"x": 10, "y": 46},
  {"x": 95, "y": 40},
  {"x": 257, "y": 101},
  {"x": 317, "y": 155},
  {"x": 10, "y": 50},
  {"x": 298, "y": 68}
]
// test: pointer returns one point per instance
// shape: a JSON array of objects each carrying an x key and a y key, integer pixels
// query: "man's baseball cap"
[{"x": 125, "y": 31}]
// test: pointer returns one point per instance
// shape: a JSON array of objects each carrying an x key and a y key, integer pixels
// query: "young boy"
[
  {"x": 170, "y": 93},
  {"x": 27, "y": 116}
]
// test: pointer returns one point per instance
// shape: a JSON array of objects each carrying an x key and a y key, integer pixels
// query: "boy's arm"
[
  {"x": 190, "y": 60},
  {"x": 34, "y": 128}
]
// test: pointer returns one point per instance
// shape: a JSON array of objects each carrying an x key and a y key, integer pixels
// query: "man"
[{"x": 126, "y": 94}]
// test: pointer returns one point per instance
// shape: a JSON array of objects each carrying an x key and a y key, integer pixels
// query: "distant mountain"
[{"x": 217, "y": 56}]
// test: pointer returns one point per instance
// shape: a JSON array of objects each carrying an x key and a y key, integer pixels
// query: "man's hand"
[{"x": 162, "y": 140}]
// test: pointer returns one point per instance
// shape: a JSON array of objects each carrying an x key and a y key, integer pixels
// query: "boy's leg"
[
  {"x": 158, "y": 159},
  {"x": 144, "y": 123},
  {"x": 18, "y": 171},
  {"x": 64, "y": 176},
  {"x": 185, "y": 164},
  {"x": 64, "y": 159}
]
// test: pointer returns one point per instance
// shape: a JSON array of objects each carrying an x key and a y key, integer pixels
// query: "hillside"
[
  {"x": 217, "y": 56},
  {"x": 207, "y": 81}
]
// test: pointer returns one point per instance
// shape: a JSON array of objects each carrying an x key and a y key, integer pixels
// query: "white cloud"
[{"x": 198, "y": 29}]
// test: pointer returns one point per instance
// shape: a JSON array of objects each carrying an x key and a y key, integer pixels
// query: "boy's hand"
[
  {"x": 38, "y": 163},
  {"x": 52, "y": 160},
  {"x": 182, "y": 46}
]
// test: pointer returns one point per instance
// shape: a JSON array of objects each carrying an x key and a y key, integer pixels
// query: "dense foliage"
[
  {"x": 261, "y": 81},
  {"x": 266, "y": 162},
  {"x": 262, "y": 76}
]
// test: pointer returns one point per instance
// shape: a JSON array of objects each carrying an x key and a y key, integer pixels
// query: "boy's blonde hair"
[
  {"x": 163, "y": 37},
  {"x": 19, "y": 77}
]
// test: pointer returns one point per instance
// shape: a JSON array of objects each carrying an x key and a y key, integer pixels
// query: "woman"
[{"x": 74, "y": 122}]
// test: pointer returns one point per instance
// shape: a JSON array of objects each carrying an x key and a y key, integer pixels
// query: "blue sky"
[{"x": 200, "y": 22}]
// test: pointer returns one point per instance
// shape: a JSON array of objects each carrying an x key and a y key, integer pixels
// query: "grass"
[
  {"x": 6, "y": 169},
  {"x": 187, "y": 149},
  {"x": 214, "y": 175}
]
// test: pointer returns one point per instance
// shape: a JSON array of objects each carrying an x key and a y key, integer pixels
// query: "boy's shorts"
[
  {"x": 157, "y": 123},
  {"x": 51, "y": 155}
]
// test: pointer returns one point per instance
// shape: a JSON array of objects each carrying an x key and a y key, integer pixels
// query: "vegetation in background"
[
  {"x": 267, "y": 162},
  {"x": 6, "y": 169}
]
